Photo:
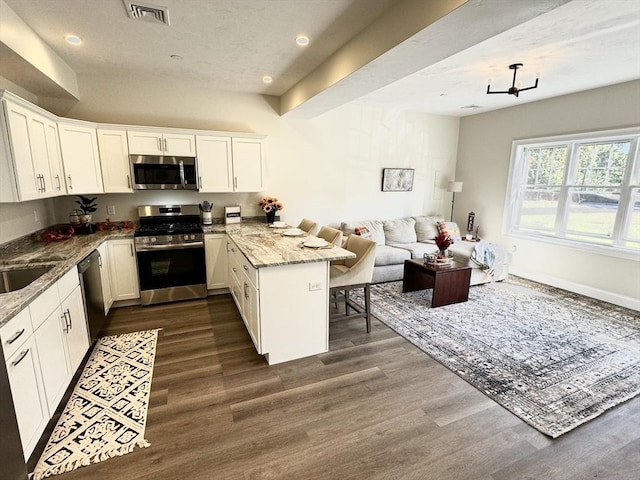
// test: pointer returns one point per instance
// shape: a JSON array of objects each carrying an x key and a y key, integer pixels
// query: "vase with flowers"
[
  {"x": 443, "y": 241},
  {"x": 270, "y": 205}
]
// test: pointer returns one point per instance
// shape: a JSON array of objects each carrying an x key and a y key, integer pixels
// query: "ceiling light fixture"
[
  {"x": 267, "y": 79},
  {"x": 175, "y": 57},
  {"x": 513, "y": 90},
  {"x": 73, "y": 40},
  {"x": 302, "y": 40}
]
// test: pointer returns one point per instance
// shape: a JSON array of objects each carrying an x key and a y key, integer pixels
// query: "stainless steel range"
[{"x": 170, "y": 253}]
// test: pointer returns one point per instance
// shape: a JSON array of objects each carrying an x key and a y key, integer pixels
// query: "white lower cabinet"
[
  {"x": 44, "y": 345},
  {"x": 215, "y": 251},
  {"x": 123, "y": 269},
  {"x": 105, "y": 277},
  {"x": 27, "y": 390},
  {"x": 243, "y": 285},
  {"x": 56, "y": 373},
  {"x": 77, "y": 333}
]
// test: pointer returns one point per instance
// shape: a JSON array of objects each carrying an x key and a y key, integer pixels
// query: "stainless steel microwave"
[{"x": 155, "y": 172}]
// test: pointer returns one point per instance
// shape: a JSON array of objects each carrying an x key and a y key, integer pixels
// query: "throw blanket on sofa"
[{"x": 484, "y": 255}]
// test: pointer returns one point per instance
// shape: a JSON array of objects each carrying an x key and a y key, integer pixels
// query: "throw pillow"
[
  {"x": 362, "y": 231},
  {"x": 374, "y": 227},
  {"x": 442, "y": 229}
]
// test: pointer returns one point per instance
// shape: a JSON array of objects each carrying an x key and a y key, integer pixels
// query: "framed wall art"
[{"x": 397, "y": 179}]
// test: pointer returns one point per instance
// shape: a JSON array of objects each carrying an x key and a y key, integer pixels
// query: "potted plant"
[{"x": 87, "y": 207}]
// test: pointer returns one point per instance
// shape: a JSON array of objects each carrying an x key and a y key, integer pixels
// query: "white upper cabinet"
[
  {"x": 143, "y": 142},
  {"x": 230, "y": 164},
  {"x": 215, "y": 164},
  {"x": 114, "y": 161},
  {"x": 32, "y": 161},
  {"x": 80, "y": 157},
  {"x": 247, "y": 164}
]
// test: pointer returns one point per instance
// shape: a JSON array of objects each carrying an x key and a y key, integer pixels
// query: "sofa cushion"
[
  {"x": 373, "y": 226},
  {"x": 417, "y": 249},
  {"x": 386, "y": 255},
  {"x": 402, "y": 230},
  {"x": 426, "y": 227}
]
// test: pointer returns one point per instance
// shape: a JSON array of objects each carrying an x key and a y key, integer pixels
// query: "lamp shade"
[{"x": 454, "y": 186}]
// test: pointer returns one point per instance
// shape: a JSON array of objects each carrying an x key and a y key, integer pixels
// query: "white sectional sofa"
[{"x": 411, "y": 237}]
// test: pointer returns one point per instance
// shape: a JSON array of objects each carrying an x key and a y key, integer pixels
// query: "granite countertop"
[
  {"x": 62, "y": 256},
  {"x": 267, "y": 247}
]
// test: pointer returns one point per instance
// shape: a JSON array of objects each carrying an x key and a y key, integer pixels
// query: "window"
[{"x": 583, "y": 189}]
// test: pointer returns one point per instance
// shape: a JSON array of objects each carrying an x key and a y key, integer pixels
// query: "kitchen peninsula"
[{"x": 281, "y": 289}]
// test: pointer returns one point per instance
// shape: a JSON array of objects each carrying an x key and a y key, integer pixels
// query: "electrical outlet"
[
  {"x": 111, "y": 209},
  {"x": 313, "y": 286}
]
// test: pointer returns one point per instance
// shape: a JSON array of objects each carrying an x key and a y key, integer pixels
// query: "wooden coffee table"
[{"x": 450, "y": 283}]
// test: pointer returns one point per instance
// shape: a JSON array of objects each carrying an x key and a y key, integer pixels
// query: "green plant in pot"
[{"x": 87, "y": 207}]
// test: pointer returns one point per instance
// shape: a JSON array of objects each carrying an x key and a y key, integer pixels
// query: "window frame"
[{"x": 518, "y": 169}]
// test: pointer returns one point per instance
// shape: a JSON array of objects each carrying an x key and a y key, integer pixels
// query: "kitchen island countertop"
[{"x": 267, "y": 247}]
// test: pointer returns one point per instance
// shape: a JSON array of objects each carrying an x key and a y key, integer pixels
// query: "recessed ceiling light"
[
  {"x": 73, "y": 39},
  {"x": 473, "y": 106},
  {"x": 267, "y": 78},
  {"x": 302, "y": 40}
]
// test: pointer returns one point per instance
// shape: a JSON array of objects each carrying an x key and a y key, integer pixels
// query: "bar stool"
[
  {"x": 331, "y": 235},
  {"x": 352, "y": 273},
  {"x": 307, "y": 225}
]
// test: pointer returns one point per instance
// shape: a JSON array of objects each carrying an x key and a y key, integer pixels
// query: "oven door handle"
[{"x": 149, "y": 248}]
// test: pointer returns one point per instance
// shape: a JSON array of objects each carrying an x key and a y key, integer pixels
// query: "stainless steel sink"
[{"x": 12, "y": 279}]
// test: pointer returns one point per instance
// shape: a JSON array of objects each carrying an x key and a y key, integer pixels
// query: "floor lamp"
[{"x": 453, "y": 187}]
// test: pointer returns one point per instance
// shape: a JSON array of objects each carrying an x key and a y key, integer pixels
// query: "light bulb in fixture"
[
  {"x": 267, "y": 79},
  {"x": 73, "y": 39},
  {"x": 302, "y": 40}
]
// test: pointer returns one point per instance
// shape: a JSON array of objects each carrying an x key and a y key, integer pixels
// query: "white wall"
[
  {"x": 483, "y": 163},
  {"x": 328, "y": 168},
  {"x": 18, "y": 219}
]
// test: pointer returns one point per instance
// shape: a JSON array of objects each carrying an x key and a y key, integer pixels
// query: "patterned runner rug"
[
  {"x": 553, "y": 358},
  {"x": 107, "y": 413}
]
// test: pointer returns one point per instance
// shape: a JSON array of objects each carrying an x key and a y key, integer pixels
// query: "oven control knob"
[
  {"x": 186, "y": 237},
  {"x": 193, "y": 237},
  {"x": 153, "y": 239}
]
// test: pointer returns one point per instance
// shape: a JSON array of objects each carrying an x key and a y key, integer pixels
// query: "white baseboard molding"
[{"x": 597, "y": 293}]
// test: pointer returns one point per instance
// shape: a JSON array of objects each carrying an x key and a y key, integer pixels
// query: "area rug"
[
  {"x": 553, "y": 358},
  {"x": 107, "y": 412}
]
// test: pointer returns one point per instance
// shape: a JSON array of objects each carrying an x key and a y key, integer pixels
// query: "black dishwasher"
[{"x": 91, "y": 283}]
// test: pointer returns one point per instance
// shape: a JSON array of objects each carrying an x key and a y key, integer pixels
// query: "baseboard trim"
[{"x": 597, "y": 293}]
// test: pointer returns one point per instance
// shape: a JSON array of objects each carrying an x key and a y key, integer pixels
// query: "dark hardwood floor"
[{"x": 373, "y": 407}]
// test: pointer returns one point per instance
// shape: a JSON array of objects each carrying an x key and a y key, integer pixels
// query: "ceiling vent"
[{"x": 150, "y": 13}]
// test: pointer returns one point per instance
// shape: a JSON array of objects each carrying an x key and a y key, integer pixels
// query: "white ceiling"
[{"x": 230, "y": 44}]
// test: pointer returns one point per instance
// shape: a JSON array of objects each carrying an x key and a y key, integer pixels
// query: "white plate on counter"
[
  {"x": 314, "y": 242},
  {"x": 293, "y": 232},
  {"x": 279, "y": 225}
]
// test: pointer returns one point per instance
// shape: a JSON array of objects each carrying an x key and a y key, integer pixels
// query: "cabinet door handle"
[
  {"x": 67, "y": 315},
  {"x": 246, "y": 269},
  {"x": 69, "y": 185},
  {"x": 246, "y": 294},
  {"x": 235, "y": 182},
  {"x": 131, "y": 248},
  {"x": 65, "y": 327},
  {"x": 199, "y": 182},
  {"x": 128, "y": 181},
  {"x": 44, "y": 183},
  {"x": 165, "y": 145},
  {"x": 159, "y": 143},
  {"x": 58, "y": 182},
  {"x": 15, "y": 336},
  {"x": 22, "y": 355}
]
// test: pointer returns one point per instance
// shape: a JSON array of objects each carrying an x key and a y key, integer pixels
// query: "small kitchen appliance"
[{"x": 170, "y": 253}]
